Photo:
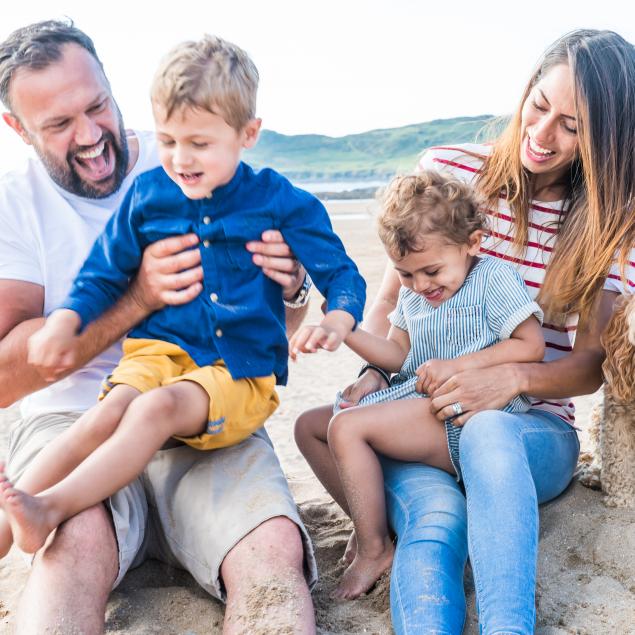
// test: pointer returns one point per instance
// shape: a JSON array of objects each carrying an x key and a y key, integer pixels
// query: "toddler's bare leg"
[
  {"x": 62, "y": 455},
  {"x": 404, "y": 430},
  {"x": 151, "y": 419}
]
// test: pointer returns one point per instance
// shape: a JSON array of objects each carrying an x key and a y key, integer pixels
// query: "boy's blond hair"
[
  {"x": 211, "y": 74},
  {"x": 417, "y": 205}
]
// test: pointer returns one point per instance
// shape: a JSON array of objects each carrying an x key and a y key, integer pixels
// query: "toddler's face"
[
  {"x": 199, "y": 150},
  {"x": 438, "y": 271}
]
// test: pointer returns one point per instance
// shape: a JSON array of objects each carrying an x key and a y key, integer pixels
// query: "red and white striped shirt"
[{"x": 543, "y": 221}]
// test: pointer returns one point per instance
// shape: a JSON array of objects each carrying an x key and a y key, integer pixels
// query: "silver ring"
[{"x": 457, "y": 408}]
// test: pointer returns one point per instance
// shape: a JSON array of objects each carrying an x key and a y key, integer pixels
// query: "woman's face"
[{"x": 549, "y": 140}]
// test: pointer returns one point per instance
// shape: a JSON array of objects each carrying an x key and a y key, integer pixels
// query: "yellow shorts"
[{"x": 237, "y": 407}]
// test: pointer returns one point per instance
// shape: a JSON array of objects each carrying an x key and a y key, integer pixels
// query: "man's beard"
[{"x": 65, "y": 173}]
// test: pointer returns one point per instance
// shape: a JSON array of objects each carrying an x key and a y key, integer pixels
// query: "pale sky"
[{"x": 336, "y": 66}]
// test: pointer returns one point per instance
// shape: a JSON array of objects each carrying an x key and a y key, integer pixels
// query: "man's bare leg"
[
  {"x": 268, "y": 560},
  {"x": 71, "y": 578}
]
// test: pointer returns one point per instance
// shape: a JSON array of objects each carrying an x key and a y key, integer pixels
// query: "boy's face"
[
  {"x": 199, "y": 150},
  {"x": 437, "y": 271}
]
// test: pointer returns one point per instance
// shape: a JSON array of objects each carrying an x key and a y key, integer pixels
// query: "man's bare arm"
[{"x": 168, "y": 275}]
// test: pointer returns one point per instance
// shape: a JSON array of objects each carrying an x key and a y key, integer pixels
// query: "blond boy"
[{"x": 206, "y": 371}]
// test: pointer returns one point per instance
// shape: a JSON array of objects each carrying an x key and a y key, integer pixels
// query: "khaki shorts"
[
  {"x": 237, "y": 407},
  {"x": 188, "y": 508}
]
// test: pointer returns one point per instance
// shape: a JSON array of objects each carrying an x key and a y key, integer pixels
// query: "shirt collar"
[{"x": 227, "y": 189}]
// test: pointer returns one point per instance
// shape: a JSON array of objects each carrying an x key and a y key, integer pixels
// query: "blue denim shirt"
[{"x": 239, "y": 316}]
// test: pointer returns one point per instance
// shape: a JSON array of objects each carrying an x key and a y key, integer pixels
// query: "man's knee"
[
  {"x": 84, "y": 540},
  {"x": 274, "y": 546}
]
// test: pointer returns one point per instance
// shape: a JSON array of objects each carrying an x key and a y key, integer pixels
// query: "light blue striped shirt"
[{"x": 490, "y": 304}]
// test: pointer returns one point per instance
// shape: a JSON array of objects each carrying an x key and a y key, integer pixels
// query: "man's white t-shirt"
[{"x": 45, "y": 236}]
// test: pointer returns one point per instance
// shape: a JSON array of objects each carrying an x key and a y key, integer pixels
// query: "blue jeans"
[{"x": 510, "y": 463}]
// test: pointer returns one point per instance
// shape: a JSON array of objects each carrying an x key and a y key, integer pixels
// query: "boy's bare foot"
[
  {"x": 351, "y": 549},
  {"x": 363, "y": 572},
  {"x": 30, "y": 518}
]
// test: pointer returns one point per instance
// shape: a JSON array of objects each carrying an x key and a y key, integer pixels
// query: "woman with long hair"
[{"x": 559, "y": 188}]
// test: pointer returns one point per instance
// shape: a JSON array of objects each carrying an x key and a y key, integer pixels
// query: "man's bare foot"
[
  {"x": 363, "y": 572},
  {"x": 30, "y": 518},
  {"x": 351, "y": 549}
]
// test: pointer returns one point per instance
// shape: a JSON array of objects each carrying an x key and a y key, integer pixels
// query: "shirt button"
[
  {"x": 206, "y": 243},
  {"x": 219, "y": 333},
  {"x": 207, "y": 220},
  {"x": 213, "y": 297}
]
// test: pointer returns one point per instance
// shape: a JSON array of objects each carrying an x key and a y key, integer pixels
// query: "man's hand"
[
  {"x": 170, "y": 273},
  {"x": 434, "y": 373},
  {"x": 53, "y": 349},
  {"x": 277, "y": 261}
]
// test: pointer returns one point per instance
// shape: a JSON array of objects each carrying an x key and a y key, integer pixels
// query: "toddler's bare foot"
[
  {"x": 31, "y": 519},
  {"x": 351, "y": 549},
  {"x": 363, "y": 572}
]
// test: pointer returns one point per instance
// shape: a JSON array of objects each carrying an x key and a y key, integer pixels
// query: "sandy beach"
[{"x": 586, "y": 569}]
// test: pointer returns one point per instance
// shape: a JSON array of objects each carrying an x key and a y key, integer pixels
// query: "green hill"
[{"x": 377, "y": 154}]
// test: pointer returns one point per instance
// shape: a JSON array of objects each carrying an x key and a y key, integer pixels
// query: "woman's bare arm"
[{"x": 578, "y": 373}]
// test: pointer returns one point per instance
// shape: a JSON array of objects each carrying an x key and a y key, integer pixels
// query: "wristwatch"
[{"x": 302, "y": 296}]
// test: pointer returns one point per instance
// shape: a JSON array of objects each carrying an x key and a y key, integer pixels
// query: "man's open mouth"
[{"x": 96, "y": 163}]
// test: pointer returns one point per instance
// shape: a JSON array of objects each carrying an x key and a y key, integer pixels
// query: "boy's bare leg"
[
  {"x": 150, "y": 420},
  {"x": 403, "y": 430},
  {"x": 62, "y": 455}
]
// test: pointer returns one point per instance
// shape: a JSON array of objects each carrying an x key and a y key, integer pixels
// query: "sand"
[{"x": 586, "y": 569}]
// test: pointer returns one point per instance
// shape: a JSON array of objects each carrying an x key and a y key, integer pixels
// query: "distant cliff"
[{"x": 377, "y": 154}]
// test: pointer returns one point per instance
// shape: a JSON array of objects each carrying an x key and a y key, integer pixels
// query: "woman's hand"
[
  {"x": 370, "y": 381},
  {"x": 277, "y": 261},
  {"x": 476, "y": 389}
]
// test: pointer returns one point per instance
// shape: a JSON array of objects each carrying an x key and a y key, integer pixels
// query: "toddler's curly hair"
[{"x": 418, "y": 205}]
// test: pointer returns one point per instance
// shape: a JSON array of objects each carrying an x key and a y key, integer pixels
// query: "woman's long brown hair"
[{"x": 599, "y": 224}]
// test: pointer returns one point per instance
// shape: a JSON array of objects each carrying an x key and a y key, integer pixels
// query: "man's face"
[{"x": 67, "y": 113}]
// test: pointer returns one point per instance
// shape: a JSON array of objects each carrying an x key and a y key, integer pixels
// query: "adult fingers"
[
  {"x": 173, "y": 245},
  {"x": 272, "y": 243},
  {"x": 285, "y": 280},
  {"x": 181, "y": 280},
  {"x": 181, "y": 296},
  {"x": 278, "y": 263},
  {"x": 178, "y": 262}
]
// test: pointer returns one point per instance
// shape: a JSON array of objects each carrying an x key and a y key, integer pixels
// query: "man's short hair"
[
  {"x": 35, "y": 47},
  {"x": 211, "y": 74}
]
